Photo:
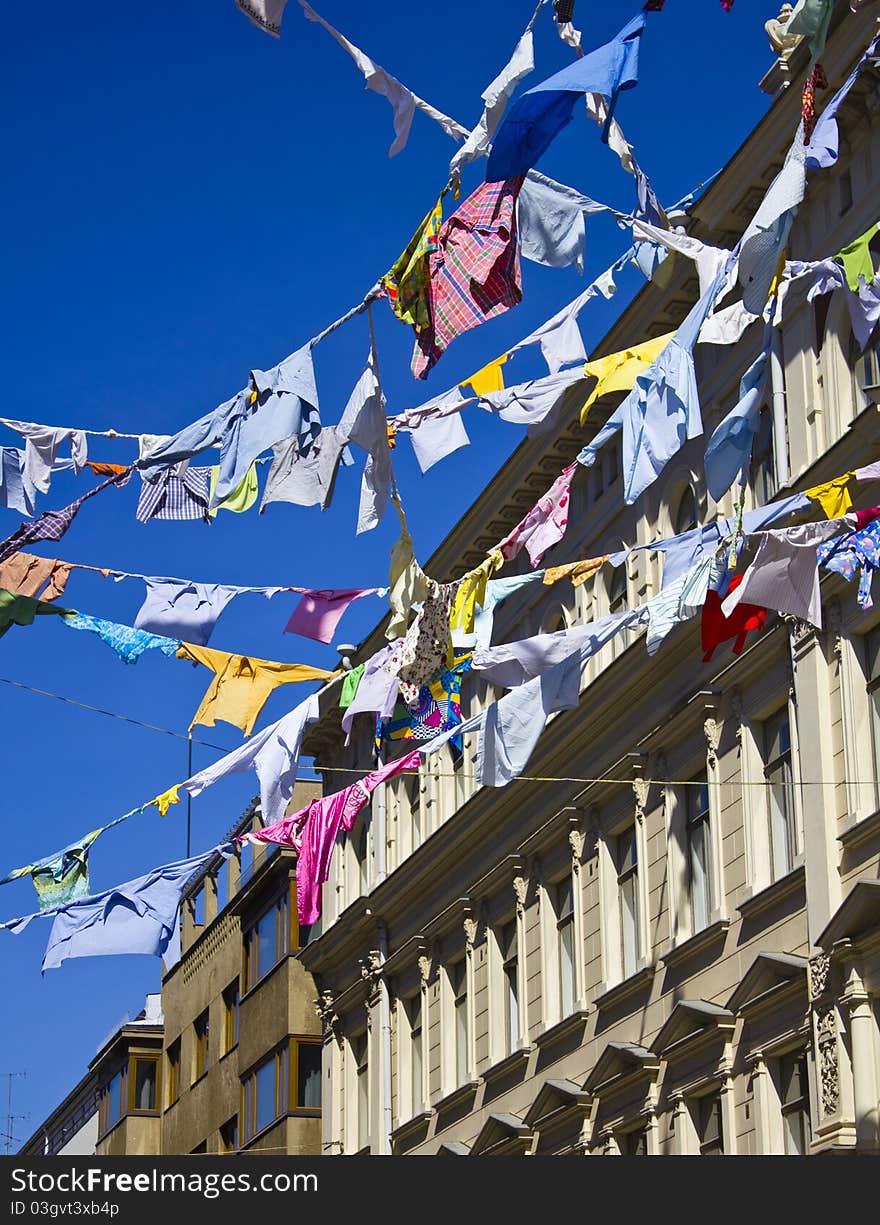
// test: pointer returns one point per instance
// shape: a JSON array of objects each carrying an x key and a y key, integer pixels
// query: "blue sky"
[{"x": 188, "y": 199}]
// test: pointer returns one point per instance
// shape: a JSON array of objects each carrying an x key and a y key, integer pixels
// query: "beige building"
[{"x": 682, "y": 955}]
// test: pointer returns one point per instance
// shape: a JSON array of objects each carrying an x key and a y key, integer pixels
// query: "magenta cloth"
[
  {"x": 318, "y": 612},
  {"x": 313, "y": 831},
  {"x": 864, "y": 517},
  {"x": 545, "y": 523}
]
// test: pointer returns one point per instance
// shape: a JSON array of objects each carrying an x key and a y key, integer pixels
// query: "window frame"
[
  {"x": 201, "y": 1047},
  {"x": 510, "y": 980},
  {"x": 771, "y": 729},
  {"x": 628, "y": 876},
  {"x": 714, "y": 1146},
  {"x": 294, "y": 1107},
  {"x": 566, "y": 920},
  {"x": 287, "y": 937},
  {"x": 172, "y": 1055},
  {"x": 699, "y": 819},
  {"x": 231, "y": 1000},
  {"x": 249, "y": 1100},
  {"x": 798, "y": 1105},
  {"x": 134, "y": 1060}
]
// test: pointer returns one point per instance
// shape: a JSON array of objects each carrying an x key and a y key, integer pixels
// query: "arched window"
[{"x": 686, "y": 511}]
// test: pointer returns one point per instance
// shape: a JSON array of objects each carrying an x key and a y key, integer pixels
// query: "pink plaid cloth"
[
  {"x": 545, "y": 523},
  {"x": 475, "y": 271}
]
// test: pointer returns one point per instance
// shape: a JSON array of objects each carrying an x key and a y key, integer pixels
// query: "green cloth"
[
  {"x": 62, "y": 877},
  {"x": 350, "y": 685},
  {"x": 241, "y": 498},
  {"x": 857, "y": 259},
  {"x": 21, "y": 610},
  {"x": 811, "y": 18}
]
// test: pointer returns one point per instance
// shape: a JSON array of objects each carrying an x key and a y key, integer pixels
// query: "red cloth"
[
  {"x": 864, "y": 517},
  {"x": 717, "y": 628}
]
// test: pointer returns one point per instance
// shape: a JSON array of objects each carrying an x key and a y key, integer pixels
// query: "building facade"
[{"x": 674, "y": 947}]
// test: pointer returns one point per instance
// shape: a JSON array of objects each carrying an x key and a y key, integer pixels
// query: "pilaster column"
[
  {"x": 333, "y": 1089},
  {"x": 835, "y": 1125},
  {"x": 681, "y": 1146},
  {"x": 728, "y": 1107},
  {"x": 761, "y": 1103},
  {"x": 864, "y": 1067}
]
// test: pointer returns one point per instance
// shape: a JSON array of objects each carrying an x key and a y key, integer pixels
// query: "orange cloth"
[
  {"x": 106, "y": 469},
  {"x": 578, "y": 571},
  {"x": 40, "y": 577}
]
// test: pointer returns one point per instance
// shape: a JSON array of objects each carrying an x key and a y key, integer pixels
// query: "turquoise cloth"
[{"x": 128, "y": 642}]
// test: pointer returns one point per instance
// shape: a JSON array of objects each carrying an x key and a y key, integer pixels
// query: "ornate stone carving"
[
  {"x": 426, "y": 967},
  {"x": 470, "y": 931},
  {"x": 712, "y": 732},
  {"x": 641, "y": 786},
  {"x": 783, "y": 44},
  {"x": 576, "y": 839},
  {"x": 820, "y": 970},
  {"x": 520, "y": 889},
  {"x": 325, "y": 1007},
  {"x": 829, "y": 1071},
  {"x": 371, "y": 970}
]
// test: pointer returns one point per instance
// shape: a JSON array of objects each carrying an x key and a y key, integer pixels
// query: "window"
[
  {"x": 699, "y": 853},
  {"x": 264, "y": 1094},
  {"x": 686, "y": 512},
  {"x": 763, "y": 469},
  {"x": 361, "y": 853},
  {"x": 230, "y": 1017},
  {"x": 143, "y": 1083},
  {"x": 709, "y": 1129},
  {"x": 634, "y": 1143},
  {"x": 565, "y": 944},
  {"x": 306, "y": 1093},
  {"x": 872, "y": 649},
  {"x": 510, "y": 963},
  {"x": 267, "y": 941},
  {"x": 174, "y": 1072},
  {"x": 617, "y": 589},
  {"x": 200, "y": 1053},
  {"x": 359, "y": 1055},
  {"x": 458, "y": 983},
  {"x": 229, "y": 1135},
  {"x": 197, "y": 907},
  {"x": 780, "y": 794},
  {"x": 795, "y": 1100},
  {"x": 200, "y": 1149},
  {"x": 628, "y": 901},
  {"x": 111, "y": 1106},
  {"x": 414, "y": 1016}
]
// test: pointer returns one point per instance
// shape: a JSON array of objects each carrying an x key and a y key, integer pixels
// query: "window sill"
[
  {"x": 860, "y": 831},
  {"x": 403, "y": 1135},
  {"x": 758, "y": 902},
  {"x": 201, "y": 1076},
  {"x": 171, "y": 1105},
  {"x": 693, "y": 945},
  {"x": 457, "y": 1096},
  {"x": 611, "y": 996},
  {"x": 562, "y": 1029},
  {"x": 265, "y": 978},
  {"x": 510, "y": 1063},
  {"x": 232, "y": 1048}
]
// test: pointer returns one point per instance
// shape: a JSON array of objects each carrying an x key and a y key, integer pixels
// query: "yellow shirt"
[
  {"x": 834, "y": 496},
  {"x": 619, "y": 371},
  {"x": 577, "y": 571},
  {"x": 490, "y": 378},
  {"x": 472, "y": 592},
  {"x": 241, "y": 684}
]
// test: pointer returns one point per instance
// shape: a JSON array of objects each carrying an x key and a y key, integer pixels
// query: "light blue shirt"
[{"x": 730, "y": 448}]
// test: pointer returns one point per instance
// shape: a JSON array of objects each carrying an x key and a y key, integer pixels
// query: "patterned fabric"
[
  {"x": 437, "y": 710},
  {"x": 427, "y": 647},
  {"x": 475, "y": 271},
  {"x": 848, "y": 553},
  {"x": 408, "y": 283},
  {"x": 578, "y": 571},
  {"x": 175, "y": 497},
  {"x": 52, "y": 524},
  {"x": 61, "y": 877},
  {"x": 816, "y": 80},
  {"x": 128, "y": 643}
]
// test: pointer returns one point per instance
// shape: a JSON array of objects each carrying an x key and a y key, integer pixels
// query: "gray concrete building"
[{"x": 673, "y": 948}]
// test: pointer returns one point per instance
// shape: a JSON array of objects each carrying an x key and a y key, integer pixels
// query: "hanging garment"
[
  {"x": 350, "y": 683},
  {"x": 313, "y": 831},
  {"x": 40, "y": 577},
  {"x": 242, "y": 684},
  {"x": 497, "y": 591},
  {"x": 729, "y": 453},
  {"x": 560, "y": 337},
  {"x": 377, "y": 692},
  {"x": 619, "y": 371},
  {"x": 828, "y": 275},
  {"x": 663, "y": 409},
  {"x": 811, "y": 19},
  {"x": 99, "y": 469},
  {"x": 52, "y": 524},
  {"x": 545, "y": 524},
  {"x": 427, "y": 647},
  {"x": 578, "y": 571},
  {"x": 61, "y": 877},
  {"x": 709, "y": 260},
  {"x": 539, "y": 114},
  {"x": 784, "y": 574},
  {"x": 678, "y": 601},
  {"x": 265, "y": 14},
  {"x": 21, "y": 609},
  {"x": 550, "y": 222},
  {"x": 139, "y": 916},
  {"x": 128, "y": 643},
  {"x": 515, "y": 663},
  {"x": 242, "y": 498},
  {"x": 763, "y": 242},
  {"x": 857, "y": 260},
  {"x": 726, "y": 326},
  {"x": 16, "y": 490},
  {"x": 164, "y": 801},
  {"x": 407, "y": 286},
  {"x": 43, "y": 442},
  {"x": 304, "y": 480},
  {"x": 437, "y": 710},
  {"x": 318, "y": 613},
  {"x": 471, "y": 593},
  {"x": 717, "y": 628},
  {"x": 177, "y": 608},
  {"x": 824, "y": 145},
  {"x": 406, "y": 578},
  {"x": 174, "y": 497},
  {"x": 364, "y": 423},
  {"x": 855, "y": 551},
  {"x": 490, "y": 378},
  {"x": 495, "y": 98},
  {"x": 436, "y": 428},
  {"x": 537, "y": 404},
  {"x": 475, "y": 271},
  {"x": 834, "y": 497},
  {"x": 274, "y": 755}
]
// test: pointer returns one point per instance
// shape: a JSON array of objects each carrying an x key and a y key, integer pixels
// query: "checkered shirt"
[{"x": 173, "y": 497}]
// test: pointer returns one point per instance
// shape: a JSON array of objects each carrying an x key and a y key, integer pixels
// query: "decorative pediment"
[
  {"x": 858, "y": 913},
  {"x": 767, "y": 973},
  {"x": 690, "y": 1019},
  {"x": 619, "y": 1060},
  {"x": 555, "y": 1097},
  {"x": 502, "y": 1135}
]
